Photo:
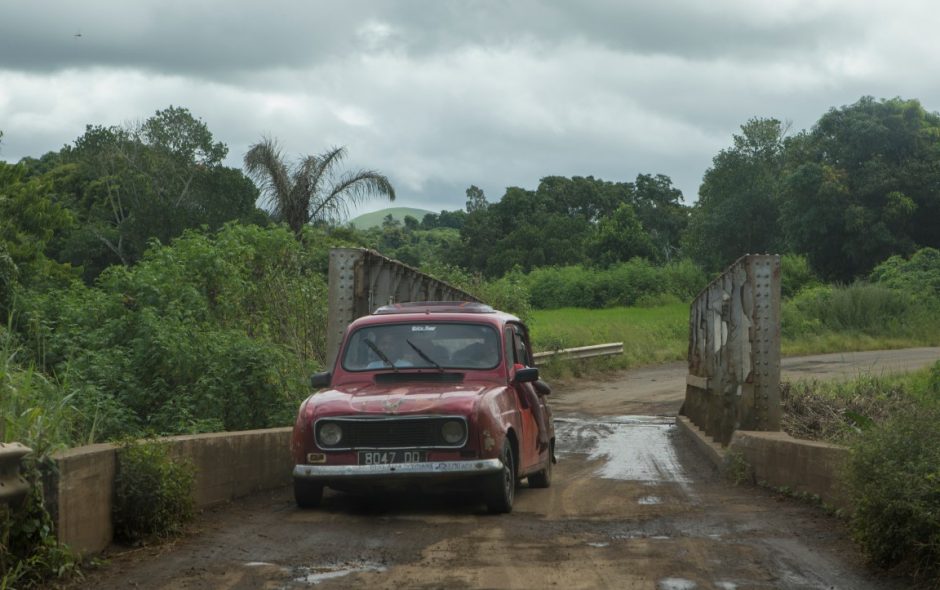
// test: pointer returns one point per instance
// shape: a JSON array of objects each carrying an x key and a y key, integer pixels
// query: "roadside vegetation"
[{"x": 891, "y": 424}]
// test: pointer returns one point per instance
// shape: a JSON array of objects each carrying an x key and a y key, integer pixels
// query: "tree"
[
  {"x": 131, "y": 184},
  {"x": 736, "y": 212},
  {"x": 476, "y": 200},
  {"x": 312, "y": 189},
  {"x": 659, "y": 209},
  {"x": 619, "y": 238},
  {"x": 547, "y": 226},
  {"x": 863, "y": 185}
]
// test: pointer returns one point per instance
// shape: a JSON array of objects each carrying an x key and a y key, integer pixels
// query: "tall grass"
[
  {"x": 34, "y": 409},
  {"x": 858, "y": 317}
]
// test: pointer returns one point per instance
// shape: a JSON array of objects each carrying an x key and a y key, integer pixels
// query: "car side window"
[
  {"x": 509, "y": 347},
  {"x": 520, "y": 349}
]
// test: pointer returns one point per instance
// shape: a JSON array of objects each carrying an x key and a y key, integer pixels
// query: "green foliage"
[
  {"x": 216, "y": 331},
  {"x": 619, "y": 237},
  {"x": 30, "y": 555},
  {"x": 476, "y": 200},
  {"x": 795, "y": 275},
  {"x": 36, "y": 412},
  {"x": 736, "y": 212},
  {"x": 409, "y": 243},
  {"x": 129, "y": 185},
  {"x": 862, "y": 308},
  {"x": 31, "y": 220},
  {"x": 312, "y": 189},
  {"x": 152, "y": 492},
  {"x": 736, "y": 469},
  {"x": 508, "y": 293},
  {"x": 9, "y": 275},
  {"x": 893, "y": 479},
  {"x": 861, "y": 186},
  {"x": 635, "y": 282},
  {"x": 919, "y": 275},
  {"x": 562, "y": 222}
]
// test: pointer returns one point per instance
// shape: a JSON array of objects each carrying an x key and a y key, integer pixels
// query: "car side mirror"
[
  {"x": 527, "y": 375},
  {"x": 320, "y": 380}
]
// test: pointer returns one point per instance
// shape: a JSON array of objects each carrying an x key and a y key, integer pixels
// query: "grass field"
[
  {"x": 660, "y": 334},
  {"x": 649, "y": 335}
]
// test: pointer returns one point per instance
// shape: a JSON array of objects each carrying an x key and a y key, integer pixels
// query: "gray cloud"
[
  {"x": 215, "y": 39},
  {"x": 440, "y": 95}
]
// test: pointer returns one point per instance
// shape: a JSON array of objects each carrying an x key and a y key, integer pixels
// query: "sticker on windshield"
[{"x": 423, "y": 328}]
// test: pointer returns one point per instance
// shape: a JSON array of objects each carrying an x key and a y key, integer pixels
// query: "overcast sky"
[{"x": 439, "y": 95}]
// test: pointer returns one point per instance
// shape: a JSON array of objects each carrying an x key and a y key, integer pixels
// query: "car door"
[{"x": 518, "y": 356}]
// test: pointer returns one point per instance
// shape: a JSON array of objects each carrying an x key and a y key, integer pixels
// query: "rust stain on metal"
[{"x": 488, "y": 441}]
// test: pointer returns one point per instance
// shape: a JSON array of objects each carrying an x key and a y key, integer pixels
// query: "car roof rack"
[{"x": 435, "y": 307}]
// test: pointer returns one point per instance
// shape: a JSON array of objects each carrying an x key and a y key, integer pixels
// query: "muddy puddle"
[{"x": 632, "y": 448}]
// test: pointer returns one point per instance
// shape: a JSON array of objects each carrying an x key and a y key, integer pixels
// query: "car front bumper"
[{"x": 430, "y": 470}]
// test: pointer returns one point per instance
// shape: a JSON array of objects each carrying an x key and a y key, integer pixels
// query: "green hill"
[{"x": 367, "y": 220}]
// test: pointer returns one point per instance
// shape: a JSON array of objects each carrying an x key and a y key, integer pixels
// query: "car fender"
[{"x": 496, "y": 416}]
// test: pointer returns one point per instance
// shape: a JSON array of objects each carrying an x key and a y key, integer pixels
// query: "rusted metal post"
[
  {"x": 760, "y": 407},
  {"x": 361, "y": 280},
  {"x": 13, "y": 486}
]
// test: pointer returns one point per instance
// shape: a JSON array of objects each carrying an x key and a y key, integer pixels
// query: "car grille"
[{"x": 391, "y": 433}]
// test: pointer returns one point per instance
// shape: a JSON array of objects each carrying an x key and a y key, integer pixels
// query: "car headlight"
[
  {"x": 330, "y": 434},
  {"x": 452, "y": 431}
]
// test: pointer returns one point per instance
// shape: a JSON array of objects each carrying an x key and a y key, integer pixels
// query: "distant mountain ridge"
[{"x": 374, "y": 219}]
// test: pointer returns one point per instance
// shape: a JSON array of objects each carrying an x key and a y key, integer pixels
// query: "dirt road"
[{"x": 632, "y": 506}]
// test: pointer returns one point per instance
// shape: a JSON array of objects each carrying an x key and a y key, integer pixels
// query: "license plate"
[{"x": 387, "y": 457}]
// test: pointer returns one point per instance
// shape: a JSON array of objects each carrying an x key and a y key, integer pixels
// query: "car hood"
[{"x": 401, "y": 398}]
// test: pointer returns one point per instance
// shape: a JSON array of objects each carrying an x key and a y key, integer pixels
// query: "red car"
[{"x": 439, "y": 394}]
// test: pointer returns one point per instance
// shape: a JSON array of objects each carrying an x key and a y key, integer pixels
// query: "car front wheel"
[{"x": 500, "y": 488}]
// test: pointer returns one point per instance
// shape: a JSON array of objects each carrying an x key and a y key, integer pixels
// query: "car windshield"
[{"x": 425, "y": 345}]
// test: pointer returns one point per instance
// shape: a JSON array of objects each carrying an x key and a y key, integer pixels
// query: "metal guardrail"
[
  {"x": 13, "y": 486},
  {"x": 581, "y": 352}
]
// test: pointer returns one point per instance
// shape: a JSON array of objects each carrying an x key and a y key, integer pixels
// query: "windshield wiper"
[
  {"x": 381, "y": 354},
  {"x": 422, "y": 354}
]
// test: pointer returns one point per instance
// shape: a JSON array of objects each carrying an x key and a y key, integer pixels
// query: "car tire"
[
  {"x": 500, "y": 489},
  {"x": 307, "y": 494},
  {"x": 543, "y": 478}
]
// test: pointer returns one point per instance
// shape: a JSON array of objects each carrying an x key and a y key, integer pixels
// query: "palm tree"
[{"x": 311, "y": 190}]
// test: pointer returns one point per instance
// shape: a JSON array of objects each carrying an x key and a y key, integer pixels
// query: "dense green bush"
[
  {"x": 919, "y": 275},
  {"x": 216, "y": 331},
  {"x": 862, "y": 308},
  {"x": 152, "y": 492},
  {"x": 894, "y": 484},
  {"x": 625, "y": 284},
  {"x": 38, "y": 413},
  {"x": 796, "y": 275}
]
